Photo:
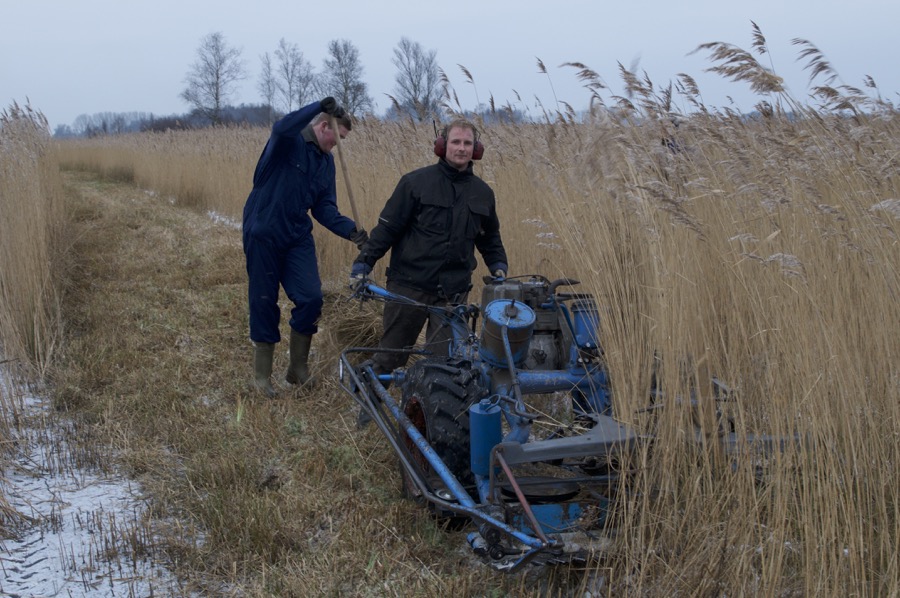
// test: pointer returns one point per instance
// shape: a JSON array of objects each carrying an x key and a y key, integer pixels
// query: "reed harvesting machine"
[{"x": 466, "y": 437}]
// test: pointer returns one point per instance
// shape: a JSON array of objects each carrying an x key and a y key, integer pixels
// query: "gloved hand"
[
  {"x": 330, "y": 107},
  {"x": 358, "y": 273},
  {"x": 359, "y": 236},
  {"x": 498, "y": 269}
]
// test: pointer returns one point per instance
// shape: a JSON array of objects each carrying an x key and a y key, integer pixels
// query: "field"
[{"x": 760, "y": 250}]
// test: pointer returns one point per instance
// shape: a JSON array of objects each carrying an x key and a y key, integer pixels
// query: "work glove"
[
  {"x": 358, "y": 273},
  {"x": 330, "y": 107},
  {"x": 359, "y": 236},
  {"x": 499, "y": 274}
]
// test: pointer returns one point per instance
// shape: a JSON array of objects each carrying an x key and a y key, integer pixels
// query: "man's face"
[
  {"x": 460, "y": 145},
  {"x": 325, "y": 136}
]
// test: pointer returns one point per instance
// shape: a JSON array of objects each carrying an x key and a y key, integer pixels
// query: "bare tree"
[
  {"x": 417, "y": 82},
  {"x": 211, "y": 79},
  {"x": 267, "y": 86},
  {"x": 294, "y": 76},
  {"x": 342, "y": 77}
]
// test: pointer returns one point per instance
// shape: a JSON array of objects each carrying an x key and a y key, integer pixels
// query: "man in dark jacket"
[
  {"x": 295, "y": 175},
  {"x": 433, "y": 222}
]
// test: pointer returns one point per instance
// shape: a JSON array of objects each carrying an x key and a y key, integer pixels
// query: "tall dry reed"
[
  {"x": 31, "y": 237},
  {"x": 763, "y": 252},
  {"x": 32, "y": 222}
]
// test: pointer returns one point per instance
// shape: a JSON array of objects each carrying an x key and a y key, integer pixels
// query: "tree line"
[{"x": 286, "y": 82}]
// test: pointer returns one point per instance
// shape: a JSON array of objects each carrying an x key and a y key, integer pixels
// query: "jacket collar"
[
  {"x": 452, "y": 173},
  {"x": 310, "y": 136}
]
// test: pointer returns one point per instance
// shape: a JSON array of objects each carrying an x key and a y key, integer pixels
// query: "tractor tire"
[{"x": 436, "y": 397}]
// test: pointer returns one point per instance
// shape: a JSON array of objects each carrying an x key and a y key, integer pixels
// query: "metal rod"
[{"x": 538, "y": 530}]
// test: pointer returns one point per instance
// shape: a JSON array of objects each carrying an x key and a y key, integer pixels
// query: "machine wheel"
[{"x": 436, "y": 398}]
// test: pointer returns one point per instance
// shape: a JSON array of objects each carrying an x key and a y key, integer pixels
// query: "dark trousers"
[
  {"x": 296, "y": 270},
  {"x": 403, "y": 323}
]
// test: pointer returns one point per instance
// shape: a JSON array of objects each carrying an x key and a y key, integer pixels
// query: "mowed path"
[{"x": 269, "y": 497}]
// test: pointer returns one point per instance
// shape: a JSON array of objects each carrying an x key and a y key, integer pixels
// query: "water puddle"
[{"x": 73, "y": 529}]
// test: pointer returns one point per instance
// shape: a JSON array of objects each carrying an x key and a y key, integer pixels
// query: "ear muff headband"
[{"x": 440, "y": 147}]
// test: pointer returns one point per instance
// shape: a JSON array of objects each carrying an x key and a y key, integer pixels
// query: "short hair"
[
  {"x": 342, "y": 121},
  {"x": 459, "y": 123}
]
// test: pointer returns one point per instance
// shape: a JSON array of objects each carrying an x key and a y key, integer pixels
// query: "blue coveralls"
[{"x": 293, "y": 177}]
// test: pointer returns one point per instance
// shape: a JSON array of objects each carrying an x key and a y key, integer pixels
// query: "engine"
[{"x": 548, "y": 336}]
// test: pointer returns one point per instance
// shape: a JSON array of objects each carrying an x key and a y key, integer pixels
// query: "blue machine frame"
[{"x": 534, "y": 528}]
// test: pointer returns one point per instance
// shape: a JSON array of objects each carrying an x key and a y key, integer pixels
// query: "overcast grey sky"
[{"x": 88, "y": 56}]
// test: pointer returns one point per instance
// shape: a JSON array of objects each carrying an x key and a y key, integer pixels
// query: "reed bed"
[
  {"x": 759, "y": 250},
  {"x": 32, "y": 226},
  {"x": 31, "y": 238},
  {"x": 765, "y": 254}
]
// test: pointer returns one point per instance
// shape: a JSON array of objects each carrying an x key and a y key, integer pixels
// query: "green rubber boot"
[
  {"x": 298, "y": 368},
  {"x": 263, "y": 355}
]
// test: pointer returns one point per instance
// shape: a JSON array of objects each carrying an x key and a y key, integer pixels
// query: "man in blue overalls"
[{"x": 295, "y": 175}]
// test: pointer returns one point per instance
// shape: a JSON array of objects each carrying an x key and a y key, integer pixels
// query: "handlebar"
[{"x": 366, "y": 289}]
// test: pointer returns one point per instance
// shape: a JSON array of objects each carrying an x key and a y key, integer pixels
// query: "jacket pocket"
[
  {"x": 478, "y": 213},
  {"x": 434, "y": 217}
]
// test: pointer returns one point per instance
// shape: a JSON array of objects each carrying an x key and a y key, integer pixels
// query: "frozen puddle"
[{"x": 76, "y": 531}]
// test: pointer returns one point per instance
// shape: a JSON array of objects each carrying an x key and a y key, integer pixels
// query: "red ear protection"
[{"x": 440, "y": 148}]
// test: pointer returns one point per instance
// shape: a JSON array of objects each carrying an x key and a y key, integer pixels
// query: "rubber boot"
[
  {"x": 298, "y": 369},
  {"x": 263, "y": 355}
]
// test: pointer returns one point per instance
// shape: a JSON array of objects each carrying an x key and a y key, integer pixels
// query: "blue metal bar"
[
  {"x": 385, "y": 294},
  {"x": 547, "y": 381},
  {"x": 457, "y": 489},
  {"x": 483, "y": 484},
  {"x": 519, "y": 427},
  {"x": 466, "y": 504}
]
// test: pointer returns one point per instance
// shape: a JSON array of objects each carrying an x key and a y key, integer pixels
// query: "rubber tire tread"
[{"x": 445, "y": 405}]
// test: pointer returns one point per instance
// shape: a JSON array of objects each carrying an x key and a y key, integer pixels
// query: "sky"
[{"x": 68, "y": 58}]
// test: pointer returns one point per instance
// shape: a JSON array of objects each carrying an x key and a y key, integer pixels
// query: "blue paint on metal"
[
  {"x": 553, "y": 518},
  {"x": 436, "y": 463},
  {"x": 467, "y": 505},
  {"x": 495, "y": 358},
  {"x": 485, "y": 433},
  {"x": 586, "y": 323}
]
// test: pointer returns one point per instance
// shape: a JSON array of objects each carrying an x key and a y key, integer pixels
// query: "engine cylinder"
[{"x": 518, "y": 319}]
